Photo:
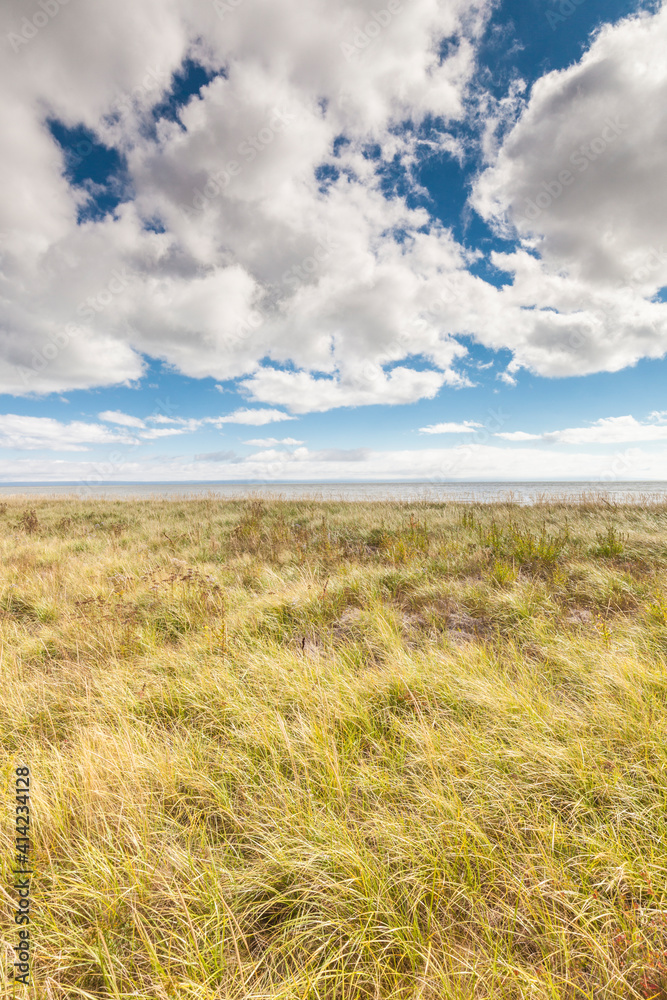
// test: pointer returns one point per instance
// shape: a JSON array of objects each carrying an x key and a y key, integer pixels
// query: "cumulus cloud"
[
  {"x": 35, "y": 433},
  {"x": 467, "y": 427},
  {"x": 254, "y": 239},
  {"x": 124, "y": 419},
  {"x": 227, "y": 248},
  {"x": 607, "y": 430},
  {"x": 580, "y": 180},
  {"x": 32, "y": 433},
  {"x": 183, "y": 425},
  {"x": 155, "y": 432},
  {"x": 302, "y": 392},
  {"x": 519, "y": 436},
  {"x": 252, "y": 418}
]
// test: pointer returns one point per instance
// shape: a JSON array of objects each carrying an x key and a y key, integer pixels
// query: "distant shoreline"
[{"x": 418, "y": 491}]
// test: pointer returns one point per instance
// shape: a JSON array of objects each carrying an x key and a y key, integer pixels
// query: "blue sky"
[{"x": 248, "y": 243}]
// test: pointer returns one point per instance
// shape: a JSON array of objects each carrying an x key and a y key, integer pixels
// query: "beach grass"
[{"x": 331, "y": 751}]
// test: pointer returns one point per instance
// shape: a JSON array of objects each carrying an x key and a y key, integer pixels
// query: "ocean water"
[{"x": 481, "y": 492}]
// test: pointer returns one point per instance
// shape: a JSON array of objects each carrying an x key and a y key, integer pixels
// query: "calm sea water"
[{"x": 525, "y": 493}]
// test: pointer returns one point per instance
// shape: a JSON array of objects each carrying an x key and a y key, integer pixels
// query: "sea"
[{"x": 474, "y": 492}]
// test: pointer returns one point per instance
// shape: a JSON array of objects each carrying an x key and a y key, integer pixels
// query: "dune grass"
[{"x": 329, "y": 751}]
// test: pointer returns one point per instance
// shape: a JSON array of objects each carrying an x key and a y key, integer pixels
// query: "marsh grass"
[{"x": 290, "y": 749}]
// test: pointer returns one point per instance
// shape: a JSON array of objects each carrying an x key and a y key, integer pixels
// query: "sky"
[{"x": 269, "y": 241}]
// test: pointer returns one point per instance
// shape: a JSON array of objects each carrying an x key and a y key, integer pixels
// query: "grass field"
[{"x": 337, "y": 750}]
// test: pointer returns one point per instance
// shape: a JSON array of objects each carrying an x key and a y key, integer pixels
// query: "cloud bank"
[
  {"x": 251, "y": 234},
  {"x": 249, "y": 227}
]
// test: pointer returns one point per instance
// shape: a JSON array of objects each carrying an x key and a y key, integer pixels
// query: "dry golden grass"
[{"x": 327, "y": 750}]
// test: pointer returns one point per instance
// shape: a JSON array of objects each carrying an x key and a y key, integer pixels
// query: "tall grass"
[{"x": 329, "y": 751}]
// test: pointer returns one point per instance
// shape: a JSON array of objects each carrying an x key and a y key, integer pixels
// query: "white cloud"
[
  {"x": 124, "y": 419},
  {"x": 467, "y": 427},
  {"x": 302, "y": 392},
  {"x": 519, "y": 436},
  {"x": 581, "y": 179},
  {"x": 252, "y": 418},
  {"x": 33, "y": 433},
  {"x": 271, "y": 442},
  {"x": 155, "y": 433},
  {"x": 464, "y": 463},
  {"x": 258, "y": 262},
  {"x": 607, "y": 430},
  {"x": 255, "y": 261},
  {"x": 187, "y": 425}
]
